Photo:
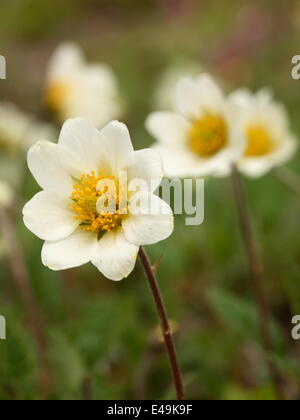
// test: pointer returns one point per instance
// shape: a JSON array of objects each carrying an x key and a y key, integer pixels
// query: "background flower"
[
  {"x": 266, "y": 125},
  {"x": 77, "y": 89},
  {"x": 202, "y": 134}
]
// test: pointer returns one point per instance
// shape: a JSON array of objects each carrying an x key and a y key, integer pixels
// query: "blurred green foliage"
[{"x": 100, "y": 333}]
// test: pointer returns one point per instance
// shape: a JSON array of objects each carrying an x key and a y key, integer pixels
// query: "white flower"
[
  {"x": 163, "y": 97},
  {"x": 13, "y": 126},
  {"x": 77, "y": 89},
  {"x": 6, "y": 194},
  {"x": 69, "y": 214},
  {"x": 270, "y": 142},
  {"x": 202, "y": 134},
  {"x": 6, "y": 200}
]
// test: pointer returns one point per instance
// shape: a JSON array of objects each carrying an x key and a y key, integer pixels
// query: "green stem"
[
  {"x": 255, "y": 269},
  {"x": 166, "y": 329}
]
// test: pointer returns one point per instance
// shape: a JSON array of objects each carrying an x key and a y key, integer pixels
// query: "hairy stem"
[
  {"x": 166, "y": 330},
  {"x": 255, "y": 269}
]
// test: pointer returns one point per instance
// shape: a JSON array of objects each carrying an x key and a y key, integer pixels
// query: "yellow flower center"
[
  {"x": 259, "y": 141},
  {"x": 84, "y": 198},
  {"x": 56, "y": 94},
  {"x": 208, "y": 135}
]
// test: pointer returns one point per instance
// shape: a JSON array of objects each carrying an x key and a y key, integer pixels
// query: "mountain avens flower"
[
  {"x": 270, "y": 142},
  {"x": 202, "y": 134},
  {"x": 87, "y": 210},
  {"x": 77, "y": 89}
]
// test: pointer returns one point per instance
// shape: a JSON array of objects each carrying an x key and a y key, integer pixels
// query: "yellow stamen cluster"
[
  {"x": 56, "y": 94},
  {"x": 208, "y": 135},
  {"x": 85, "y": 196},
  {"x": 259, "y": 141}
]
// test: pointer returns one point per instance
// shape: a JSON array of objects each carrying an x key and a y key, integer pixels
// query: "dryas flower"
[
  {"x": 202, "y": 133},
  {"x": 97, "y": 202},
  {"x": 77, "y": 89},
  {"x": 270, "y": 142}
]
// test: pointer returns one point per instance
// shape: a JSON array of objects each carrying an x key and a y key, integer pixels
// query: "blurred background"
[{"x": 101, "y": 339}]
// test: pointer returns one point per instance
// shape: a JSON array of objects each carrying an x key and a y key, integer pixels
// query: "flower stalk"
[
  {"x": 255, "y": 269},
  {"x": 166, "y": 329}
]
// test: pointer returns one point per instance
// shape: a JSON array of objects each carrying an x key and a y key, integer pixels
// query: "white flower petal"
[
  {"x": 44, "y": 165},
  {"x": 181, "y": 163},
  {"x": 168, "y": 127},
  {"x": 80, "y": 148},
  {"x": 117, "y": 146},
  {"x": 147, "y": 166},
  {"x": 288, "y": 148},
  {"x": 150, "y": 223},
  {"x": 47, "y": 215},
  {"x": 73, "y": 251},
  {"x": 255, "y": 167},
  {"x": 195, "y": 96},
  {"x": 65, "y": 59},
  {"x": 115, "y": 257}
]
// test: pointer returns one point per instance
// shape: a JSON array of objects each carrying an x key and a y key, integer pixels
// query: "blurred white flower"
[
  {"x": 77, "y": 89},
  {"x": 69, "y": 214},
  {"x": 6, "y": 200},
  {"x": 18, "y": 131},
  {"x": 202, "y": 134},
  {"x": 163, "y": 96},
  {"x": 6, "y": 194},
  {"x": 270, "y": 142}
]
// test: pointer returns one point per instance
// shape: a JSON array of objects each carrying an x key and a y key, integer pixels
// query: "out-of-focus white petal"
[
  {"x": 66, "y": 58},
  {"x": 287, "y": 149},
  {"x": 163, "y": 97},
  {"x": 149, "y": 222},
  {"x": 6, "y": 194},
  {"x": 181, "y": 163},
  {"x": 13, "y": 126},
  {"x": 147, "y": 166},
  {"x": 193, "y": 97},
  {"x": 168, "y": 128},
  {"x": 45, "y": 166},
  {"x": 73, "y": 251},
  {"x": 115, "y": 257},
  {"x": 47, "y": 215},
  {"x": 255, "y": 167}
]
